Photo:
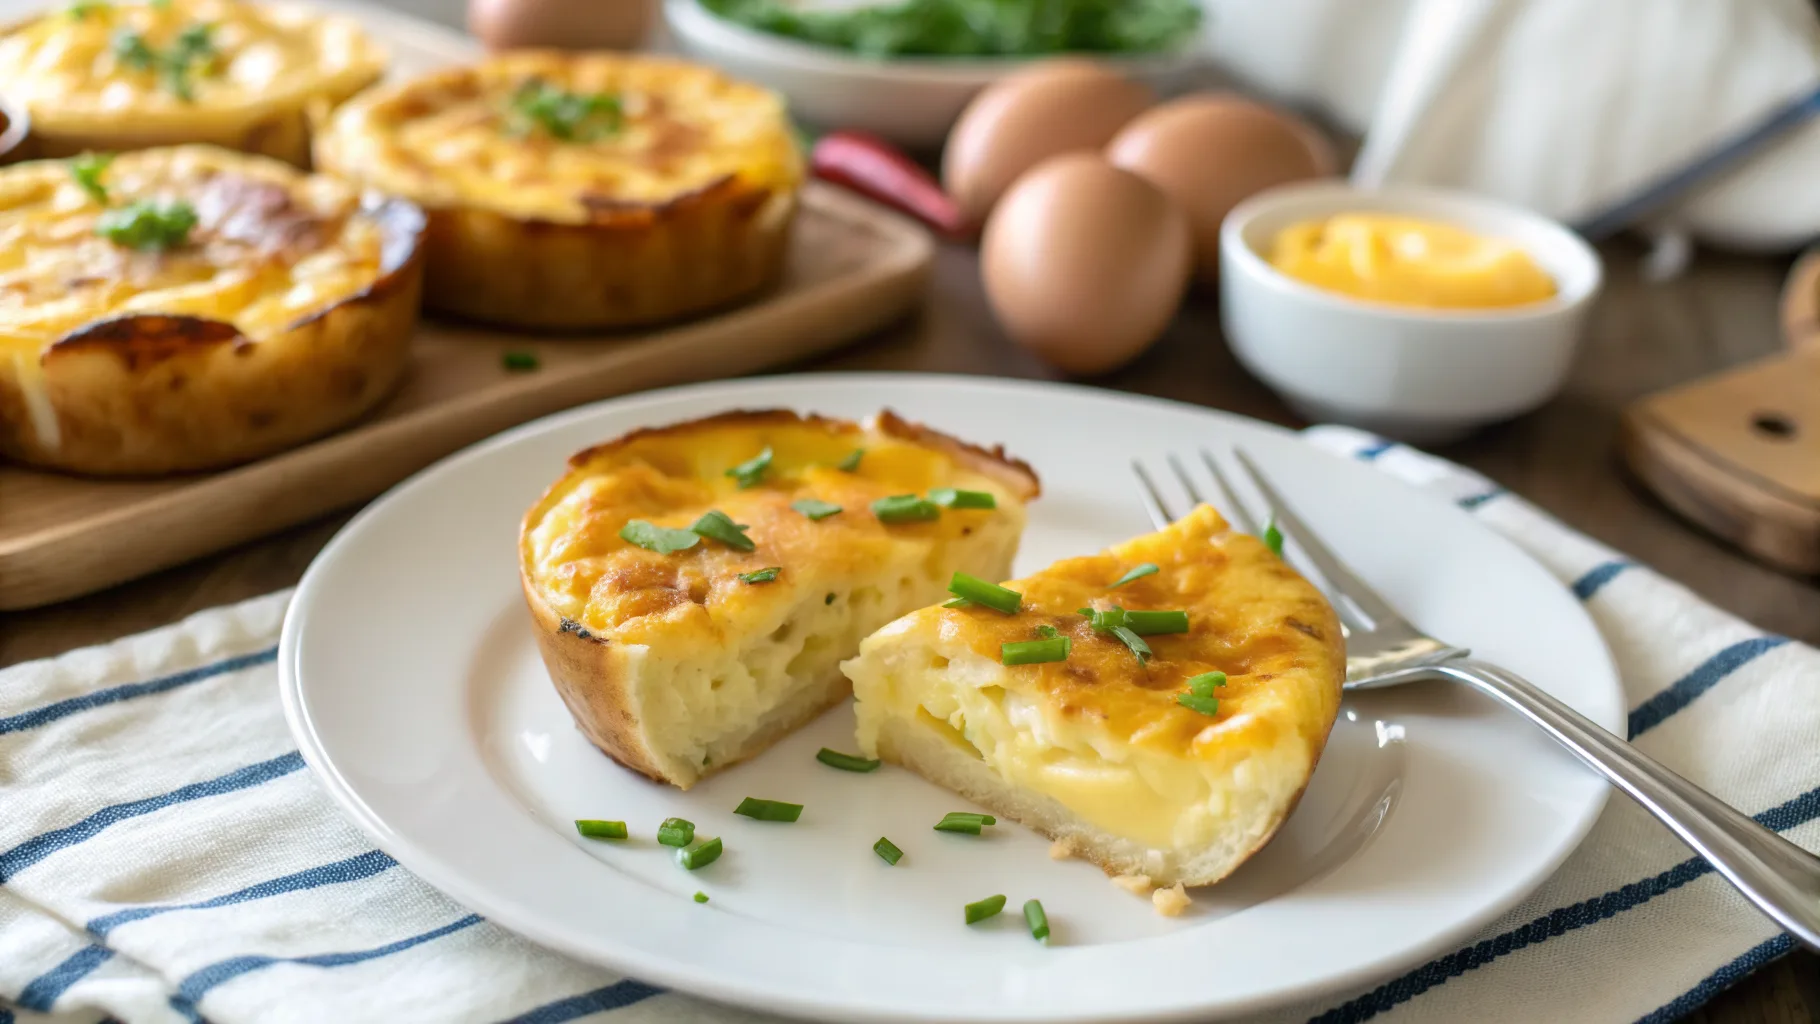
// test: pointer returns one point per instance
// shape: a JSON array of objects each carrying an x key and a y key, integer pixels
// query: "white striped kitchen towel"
[{"x": 165, "y": 855}]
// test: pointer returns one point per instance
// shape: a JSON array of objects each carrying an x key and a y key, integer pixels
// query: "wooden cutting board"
[
  {"x": 1739, "y": 453},
  {"x": 854, "y": 267}
]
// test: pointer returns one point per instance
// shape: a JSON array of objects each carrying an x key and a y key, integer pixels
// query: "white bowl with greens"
[{"x": 904, "y": 69}]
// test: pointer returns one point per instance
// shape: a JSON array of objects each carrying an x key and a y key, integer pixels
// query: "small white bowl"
[
  {"x": 1422, "y": 375},
  {"x": 911, "y": 101}
]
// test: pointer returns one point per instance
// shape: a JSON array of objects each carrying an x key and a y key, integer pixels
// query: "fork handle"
[{"x": 1782, "y": 879}]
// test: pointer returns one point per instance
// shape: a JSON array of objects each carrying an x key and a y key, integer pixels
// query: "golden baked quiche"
[
  {"x": 191, "y": 307},
  {"x": 695, "y": 587},
  {"x": 572, "y": 190},
  {"x": 1157, "y": 708},
  {"x": 98, "y": 75}
]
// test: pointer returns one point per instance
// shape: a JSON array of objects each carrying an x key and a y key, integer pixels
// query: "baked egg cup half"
[
  {"x": 110, "y": 76},
  {"x": 684, "y": 662},
  {"x": 190, "y": 308},
  {"x": 574, "y": 191},
  {"x": 1097, "y": 751}
]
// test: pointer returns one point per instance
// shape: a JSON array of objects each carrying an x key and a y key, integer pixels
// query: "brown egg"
[
  {"x": 1045, "y": 109},
  {"x": 560, "y": 24},
  {"x": 1085, "y": 263},
  {"x": 1211, "y": 152}
]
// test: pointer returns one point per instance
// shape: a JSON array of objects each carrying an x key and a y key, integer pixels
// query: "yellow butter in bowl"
[{"x": 1408, "y": 262}]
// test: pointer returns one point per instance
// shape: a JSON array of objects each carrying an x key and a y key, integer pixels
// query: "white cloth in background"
[
  {"x": 165, "y": 855},
  {"x": 1560, "y": 105}
]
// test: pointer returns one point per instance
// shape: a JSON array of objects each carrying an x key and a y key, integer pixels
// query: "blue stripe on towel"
[
  {"x": 64, "y": 708},
  {"x": 352, "y": 869},
  {"x": 1588, "y": 585},
  {"x": 39, "y": 847},
  {"x": 1473, "y": 501},
  {"x": 1720, "y": 980},
  {"x": 1373, "y": 451},
  {"x": 1439, "y": 971},
  {"x": 191, "y": 990},
  {"x": 616, "y": 996},
  {"x": 1684, "y": 691},
  {"x": 41, "y": 992}
]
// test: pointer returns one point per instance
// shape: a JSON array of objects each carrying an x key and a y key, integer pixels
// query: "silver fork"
[{"x": 1384, "y": 649}]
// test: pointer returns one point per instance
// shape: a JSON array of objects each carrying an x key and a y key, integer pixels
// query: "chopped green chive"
[
  {"x": 1203, "y": 684},
  {"x": 846, "y": 762},
  {"x": 87, "y": 170},
  {"x": 814, "y": 508},
  {"x": 660, "y": 539},
  {"x": 1195, "y": 702},
  {"x": 518, "y": 362},
  {"x": 1273, "y": 537},
  {"x": 969, "y": 822},
  {"x": 1035, "y": 652},
  {"x": 828, "y": 600},
  {"x": 1135, "y": 642},
  {"x": 1155, "y": 623},
  {"x": 887, "y": 851},
  {"x": 676, "y": 832},
  {"x": 768, "y": 810},
  {"x": 1037, "y": 920},
  {"x": 700, "y": 855},
  {"x": 991, "y": 595},
  {"x": 701, "y": 897},
  {"x": 988, "y": 907},
  {"x": 750, "y": 472},
  {"x": 148, "y": 226},
  {"x": 594, "y": 829},
  {"x": 717, "y": 525},
  {"x": 957, "y": 602},
  {"x": 948, "y": 497},
  {"x": 761, "y": 575},
  {"x": 569, "y": 116},
  {"x": 851, "y": 462},
  {"x": 904, "y": 508},
  {"x": 1048, "y": 632},
  {"x": 1137, "y": 573}
]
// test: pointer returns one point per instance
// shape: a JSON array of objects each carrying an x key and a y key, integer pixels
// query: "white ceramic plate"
[{"x": 412, "y": 683}]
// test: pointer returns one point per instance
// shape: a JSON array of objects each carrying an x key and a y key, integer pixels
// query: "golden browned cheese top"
[
  {"x": 271, "y": 245},
  {"x": 1250, "y": 616},
  {"x": 75, "y": 64},
  {"x": 573, "y": 555},
  {"x": 460, "y": 137}
]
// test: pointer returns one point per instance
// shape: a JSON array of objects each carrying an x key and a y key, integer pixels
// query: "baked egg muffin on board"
[
  {"x": 189, "y": 308},
  {"x": 696, "y": 586},
  {"x": 103, "y": 76},
  {"x": 581, "y": 190},
  {"x": 1157, "y": 709}
]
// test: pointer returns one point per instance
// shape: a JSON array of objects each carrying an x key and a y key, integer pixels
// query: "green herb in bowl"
[{"x": 975, "y": 28}]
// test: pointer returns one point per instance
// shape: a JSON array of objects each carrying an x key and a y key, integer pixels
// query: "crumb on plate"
[
  {"x": 1136, "y": 885},
  {"x": 1061, "y": 849},
  {"x": 1172, "y": 901}
]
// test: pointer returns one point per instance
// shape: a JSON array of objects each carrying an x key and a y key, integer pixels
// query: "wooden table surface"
[{"x": 1643, "y": 337}]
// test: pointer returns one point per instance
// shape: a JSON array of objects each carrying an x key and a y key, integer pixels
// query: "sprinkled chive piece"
[
  {"x": 988, "y": 907},
  {"x": 595, "y": 829},
  {"x": 87, "y": 170},
  {"x": 957, "y": 602},
  {"x": 148, "y": 226},
  {"x": 700, "y": 855},
  {"x": 991, "y": 595},
  {"x": 948, "y": 497},
  {"x": 1273, "y": 537},
  {"x": 904, "y": 508},
  {"x": 814, "y": 508},
  {"x": 828, "y": 600},
  {"x": 1035, "y": 652},
  {"x": 1037, "y": 920},
  {"x": 1194, "y": 702},
  {"x": 1048, "y": 632},
  {"x": 701, "y": 897},
  {"x": 1134, "y": 642},
  {"x": 761, "y": 575},
  {"x": 1156, "y": 623},
  {"x": 887, "y": 851},
  {"x": 1137, "y": 573},
  {"x": 851, "y": 462},
  {"x": 1203, "y": 684},
  {"x": 750, "y": 472},
  {"x": 768, "y": 810},
  {"x": 717, "y": 525},
  {"x": 678, "y": 832},
  {"x": 660, "y": 539},
  {"x": 518, "y": 362},
  {"x": 846, "y": 762},
  {"x": 969, "y": 822}
]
